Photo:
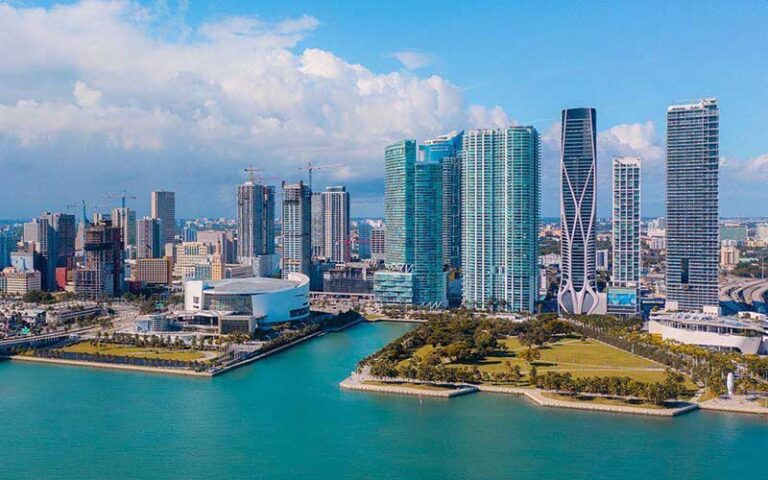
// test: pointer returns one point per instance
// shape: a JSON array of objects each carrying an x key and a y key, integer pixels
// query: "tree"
[{"x": 531, "y": 354}]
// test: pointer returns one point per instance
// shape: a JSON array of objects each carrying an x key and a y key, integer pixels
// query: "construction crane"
[
  {"x": 251, "y": 171},
  {"x": 310, "y": 167},
  {"x": 122, "y": 196}
]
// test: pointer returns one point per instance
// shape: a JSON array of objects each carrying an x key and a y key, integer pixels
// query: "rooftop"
[{"x": 250, "y": 285}]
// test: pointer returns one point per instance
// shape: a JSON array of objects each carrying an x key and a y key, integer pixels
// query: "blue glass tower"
[{"x": 446, "y": 149}]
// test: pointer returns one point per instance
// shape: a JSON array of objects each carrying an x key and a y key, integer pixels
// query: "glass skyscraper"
[
  {"x": 578, "y": 168},
  {"x": 399, "y": 165},
  {"x": 413, "y": 214},
  {"x": 500, "y": 218},
  {"x": 446, "y": 149},
  {"x": 429, "y": 278},
  {"x": 692, "y": 209}
]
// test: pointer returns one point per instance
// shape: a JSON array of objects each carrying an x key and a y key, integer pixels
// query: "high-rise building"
[
  {"x": 65, "y": 225},
  {"x": 429, "y": 277},
  {"x": 335, "y": 206},
  {"x": 255, "y": 221},
  {"x": 149, "y": 238},
  {"x": 163, "y": 207},
  {"x": 364, "y": 239},
  {"x": 692, "y": 209},
  {"x": 399, "y": 164},
  {"x": 578, "y": 169},
  {"x": 48, "y": 246},
  {"x": 446, "y": 149},
  {"x": 102, "y": 274},
  {"x": 500, "y": 218},
  {"x": 626, "y": 222},
  {"x": 7, "y": 245},
  {"x": 125, "y": 218},
  {"x": 222, "y": 240},
  {"x": 413, "y": 214},
  {"x": 318, "y": 226},
  {"x": 378, "y": 242},
  {"x": 31, "y": 232},
  {"x": 297, "y": 226}
]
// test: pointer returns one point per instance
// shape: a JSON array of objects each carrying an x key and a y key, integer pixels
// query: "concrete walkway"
[{"x": 736, "y": 404}]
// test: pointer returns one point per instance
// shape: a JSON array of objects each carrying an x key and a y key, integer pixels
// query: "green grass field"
[
  {"x": 138, "y": 352},
  {"x": 589, "y": 358}
]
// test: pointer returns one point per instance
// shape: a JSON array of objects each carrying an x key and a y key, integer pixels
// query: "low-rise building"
[
  {"x": 154, "y": 271},
  {"x": 742, "y": 334},
  {"x": 17, "y": 282},
  {"x": 157, "y": 322}
]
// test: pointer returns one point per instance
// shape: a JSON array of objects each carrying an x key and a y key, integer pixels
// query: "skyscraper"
[
  {"x": 163, "y": 207},
  {"x": 399, "y": 164},
  {"x": 8, "y": 241},
  {"x": 297, "y": 225},
  {"x": 102, "y": 274},
  {"x": 335, "y": 204},
  {"x": 500, "y": 218},
  {"x": 446, "y": 149},
  {"x": 429, "y": 278},
  {"x": 413, "y": 214},
  {"x": 318, "y": 226},
  {"x": 364, "y": 239},
  {"x": 578, "y": 168},
  {"x": 692, "y": 208},
  {"x": 48, "y": 246},
  {"x": 626, "y": 222},
  {"x": 125, "y": 219},
  {"x": 255, "y": 221},
  {"x": 148, "y": 238}
]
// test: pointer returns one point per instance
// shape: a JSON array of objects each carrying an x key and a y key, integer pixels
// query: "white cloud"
[
  {"x": 105, "y": 87},
  {"x": 751, "y": 170},
  {"x": 412, "y": 60},
  {"x": 86, "y": 96}
]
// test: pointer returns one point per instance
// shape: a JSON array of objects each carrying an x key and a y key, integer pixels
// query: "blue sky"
[{"x": 229, "y": 83}]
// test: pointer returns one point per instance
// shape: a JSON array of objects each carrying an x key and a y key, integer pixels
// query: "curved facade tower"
[{"x": 578, "y": 165}]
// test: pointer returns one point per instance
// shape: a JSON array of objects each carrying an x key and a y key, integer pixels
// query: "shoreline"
[
  {"x": 356, "y": 382},
  {"x": 109, "y": 366}
]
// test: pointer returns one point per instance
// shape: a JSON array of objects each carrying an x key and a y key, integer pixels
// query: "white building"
[
  {"x": 743, "y": 334},
  {"x": 245, "y": 304}
]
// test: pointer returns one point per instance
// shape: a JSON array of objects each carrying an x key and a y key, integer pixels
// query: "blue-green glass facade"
[
  {"x": 399, "y": 164},
  {"x": 500, "y": 218},
  {"x": 446, "y": 149},
  {"x": 428, "y": 234},
  {"x": 413, "y": 215}
]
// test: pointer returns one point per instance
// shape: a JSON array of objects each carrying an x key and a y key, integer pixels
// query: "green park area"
[
  {"x": 580, "y": 357},
  {"x": 541, "y": 352},
  {"x": 160, "y": 353}
]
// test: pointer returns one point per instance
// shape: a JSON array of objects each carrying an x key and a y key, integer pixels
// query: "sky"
[{"x": 98, "y": 97}]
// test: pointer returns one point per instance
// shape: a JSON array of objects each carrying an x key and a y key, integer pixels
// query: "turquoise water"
[{"x": 285, "y": 417}]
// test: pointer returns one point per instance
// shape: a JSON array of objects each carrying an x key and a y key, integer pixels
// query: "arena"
[{"x": 253, "y": 302}]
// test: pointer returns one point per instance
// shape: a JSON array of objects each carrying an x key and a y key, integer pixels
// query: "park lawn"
[
  {"x": 592, "y": 400},
  {"x": 582, "y": 359},
  {"x": 160, "y": 353}
]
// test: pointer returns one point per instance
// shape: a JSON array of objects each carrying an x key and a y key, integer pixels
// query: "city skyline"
[{"x": 149, "y": 126}]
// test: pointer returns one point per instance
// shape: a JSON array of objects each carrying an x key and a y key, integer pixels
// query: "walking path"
[{"x": 737, "y": 404}]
